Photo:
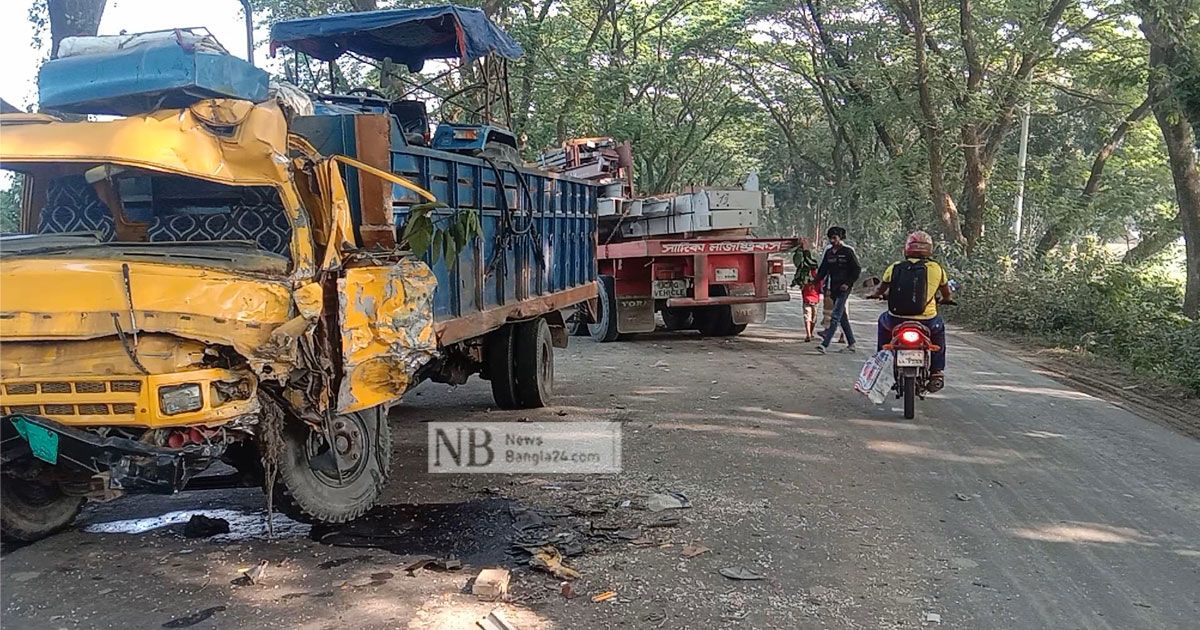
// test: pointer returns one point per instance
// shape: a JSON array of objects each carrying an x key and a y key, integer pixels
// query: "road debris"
[
  {"x": 418, "y": 564},
  {"x": 933, "y": 618},
  {"x": 672, "y": 501},
  {"x": 665, "y": 521},
  {"x": 252, "y": 576},
  {"x": 691, "y": 551},
  {"x": 194, "y": 618},
  {"x": 741, "y": 573},
  {"x": 491, "y": 584},
  {"x": 550, "y": 560},
  {"x": 24, "y": 576},
  {"x": 661, "y": 364},
  {"x": 201, "y": 526},
  {"x": 962, "y": 497},
  {"x": 603, "y": 597},
  {"x": 568, "y": 590},
  {"x": 495, "y": 621}
]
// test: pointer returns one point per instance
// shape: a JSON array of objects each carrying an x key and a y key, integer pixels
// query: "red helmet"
[{"x": 918, "y": 245}]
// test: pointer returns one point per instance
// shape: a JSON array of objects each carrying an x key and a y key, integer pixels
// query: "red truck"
[
  {"x": 689, "y": 256},
  {"x": 711, "y": 282}
]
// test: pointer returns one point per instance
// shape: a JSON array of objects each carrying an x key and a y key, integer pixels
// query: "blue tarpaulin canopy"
[{"x": 407, "y": 36}]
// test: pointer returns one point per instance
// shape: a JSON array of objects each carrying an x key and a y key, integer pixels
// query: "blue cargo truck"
[
  {"x": 502, "y": 303},
  {"x": 233, "y": 283}
]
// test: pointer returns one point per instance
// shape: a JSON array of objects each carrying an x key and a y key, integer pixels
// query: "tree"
[
  {"x": 1168, "y": 27},
  {"x": 71, "y": 18}
]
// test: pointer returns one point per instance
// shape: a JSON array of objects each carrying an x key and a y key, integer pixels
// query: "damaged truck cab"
[
  {"x": 223, "y": 272},
  {"x": 186, "y": 290}
]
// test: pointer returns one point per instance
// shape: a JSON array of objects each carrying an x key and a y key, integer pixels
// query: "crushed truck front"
[{"x": 175, "y": 296}]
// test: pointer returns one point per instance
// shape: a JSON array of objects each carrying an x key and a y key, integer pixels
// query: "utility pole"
[{"x": 1022, "y": 154}]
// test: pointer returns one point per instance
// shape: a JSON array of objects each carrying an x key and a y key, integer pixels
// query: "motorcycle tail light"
[
  {"x": 776, "y": 265},
  {"x": 910, "y": 337}
]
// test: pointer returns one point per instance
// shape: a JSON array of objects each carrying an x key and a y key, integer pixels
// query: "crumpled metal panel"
[
  {"x": 251, "y": 151},
  {"x": 386, "y": 317},
  {"x": 198, "y": 303}
]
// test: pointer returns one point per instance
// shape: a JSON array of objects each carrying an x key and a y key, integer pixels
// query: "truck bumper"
[
  {"x": 122, "y": 464},
  {"x": 730, "y": 299}
]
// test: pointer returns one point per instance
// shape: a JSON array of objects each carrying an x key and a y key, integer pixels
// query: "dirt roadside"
[{"x": 1157, "y": 400}]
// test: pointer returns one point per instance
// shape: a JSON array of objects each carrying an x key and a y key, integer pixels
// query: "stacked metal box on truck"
[{"x": 695, "y": 210}]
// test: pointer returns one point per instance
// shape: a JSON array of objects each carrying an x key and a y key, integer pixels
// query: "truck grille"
[
  {"x": 78, "y": 387},
  {"x": 57, "y": 401}
]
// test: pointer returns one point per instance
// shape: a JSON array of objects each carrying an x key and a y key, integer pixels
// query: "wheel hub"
[{"x": 338, "y": 456}]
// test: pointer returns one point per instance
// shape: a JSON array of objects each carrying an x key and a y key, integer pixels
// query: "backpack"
[{"x": 908, "y": 288}]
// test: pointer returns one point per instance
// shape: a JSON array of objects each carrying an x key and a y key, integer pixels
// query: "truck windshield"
[{"x": 125, "y": 206}]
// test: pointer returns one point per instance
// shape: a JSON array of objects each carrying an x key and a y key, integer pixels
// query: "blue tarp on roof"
[
  {"x": 407, "y": 36},
  {"x": 161, "y": 74}
]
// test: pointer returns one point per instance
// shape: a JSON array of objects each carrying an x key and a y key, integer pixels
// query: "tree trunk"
[
  {"x": 1152, "y": 244},
  {"x": 1181, "y": 151},
  {"x": 1061, "y": 228},
  {"x": 1182, "y": 156},
  {"x": 974, "y": 174},
  {"x": 931, "y": 128},
  {"x": 72, "y": 18}
]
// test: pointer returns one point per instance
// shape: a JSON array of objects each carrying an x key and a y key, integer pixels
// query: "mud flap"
[
  {"x": 635, "y": 315},
  {"x": 755, "y": 313}
]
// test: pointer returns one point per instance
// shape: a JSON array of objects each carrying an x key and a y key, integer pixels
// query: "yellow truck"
[{"x": 191, "y": 290}]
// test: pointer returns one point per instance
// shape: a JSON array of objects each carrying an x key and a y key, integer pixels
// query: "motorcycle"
[{"x": 911, "y": 350}]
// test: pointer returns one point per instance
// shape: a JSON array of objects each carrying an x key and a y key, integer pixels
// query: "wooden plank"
[{"x": 373, "y": 135}]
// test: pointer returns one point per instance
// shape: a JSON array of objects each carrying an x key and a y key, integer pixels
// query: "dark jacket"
[{"x": 839, "y": 266}]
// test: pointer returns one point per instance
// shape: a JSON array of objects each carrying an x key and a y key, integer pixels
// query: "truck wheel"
[
  {"x": 717, "y": 321},
  {"x": 678, "y": 319},
  {"x": 534, "y": 364},
  {"x": 501, "y": 364},
  {"x": 329, "y": 489},
  {"x": 605, "y": 328},
  {"x": 32, "y": 511}
]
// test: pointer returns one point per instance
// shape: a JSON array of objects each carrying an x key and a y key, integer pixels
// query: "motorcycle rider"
[{"x": 912, "y": 287}]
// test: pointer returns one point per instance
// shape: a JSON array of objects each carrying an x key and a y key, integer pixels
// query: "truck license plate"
[
  {"x": 775, "y": 284},
  {"x": 910, "y": 358},
  {"x": 726, "y": 274},
  {"x": 666, "y": 289}
]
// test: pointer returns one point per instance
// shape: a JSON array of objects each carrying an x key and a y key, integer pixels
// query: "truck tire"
[
  {"x": 678, "y": 319},
  {"x": 717, "y": 321},
  {"x": 309, "y": 479},
  {"x": 534, "y": 350},
  {"x": 31, "y": 511},
  {"x": 500, "y": 361},
  {"x": 605, "y": 328}
]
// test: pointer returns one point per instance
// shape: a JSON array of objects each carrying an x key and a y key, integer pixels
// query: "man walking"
[{"x": 839, "y": 270}]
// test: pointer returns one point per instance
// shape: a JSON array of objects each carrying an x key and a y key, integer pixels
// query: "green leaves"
[{"x": 441, "y": 238}]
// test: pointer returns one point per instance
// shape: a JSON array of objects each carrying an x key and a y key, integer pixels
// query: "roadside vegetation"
[{"x": 888, "y": 116}]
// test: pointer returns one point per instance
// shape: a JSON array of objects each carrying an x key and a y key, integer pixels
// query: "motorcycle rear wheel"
[{"x": 910, "y": 397}]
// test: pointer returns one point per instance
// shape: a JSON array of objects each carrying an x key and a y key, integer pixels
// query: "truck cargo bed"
[{"x": 536, "y": 251}]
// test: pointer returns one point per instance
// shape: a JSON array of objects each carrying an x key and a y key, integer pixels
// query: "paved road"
[{"x": 1011, "y": 501}]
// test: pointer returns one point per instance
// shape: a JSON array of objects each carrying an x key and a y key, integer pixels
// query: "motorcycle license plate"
[{"x": 910, "y": 358}]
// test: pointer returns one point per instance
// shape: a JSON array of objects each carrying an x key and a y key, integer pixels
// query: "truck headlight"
[{"x": 177, "y": 399}]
